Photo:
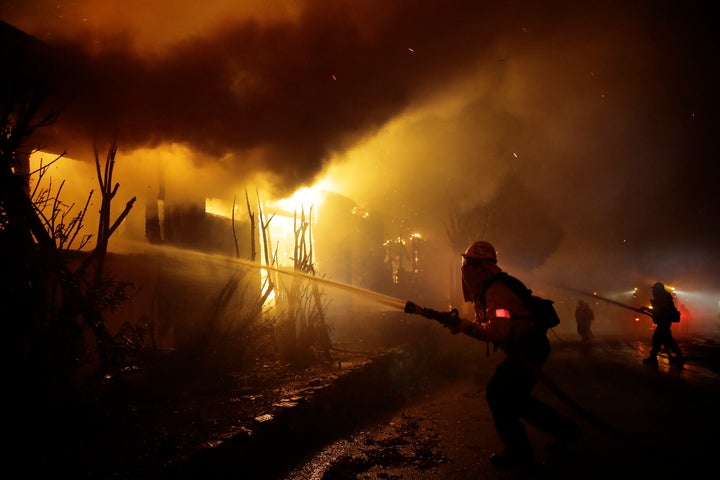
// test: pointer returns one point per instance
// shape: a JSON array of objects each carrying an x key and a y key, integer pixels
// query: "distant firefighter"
[
  {"x": 664, "y": 313},
  {"x": 584, "y": 317}
]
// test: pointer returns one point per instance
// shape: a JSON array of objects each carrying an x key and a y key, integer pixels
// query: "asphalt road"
[{"x": 637, "y": 420}]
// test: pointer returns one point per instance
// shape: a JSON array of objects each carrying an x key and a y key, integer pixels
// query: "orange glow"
[
  {"x": 220, "y": 207},
  {"x": 302, "y": 200},
  {"x": 270, "y": 301},
  {"x": 166, "y": 175}
]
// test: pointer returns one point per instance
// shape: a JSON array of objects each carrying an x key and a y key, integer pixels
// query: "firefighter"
[
  {"x": 583, "y": 319},
  {"x": 663, "y": 310},
  {"x": 498, "y": 319}
]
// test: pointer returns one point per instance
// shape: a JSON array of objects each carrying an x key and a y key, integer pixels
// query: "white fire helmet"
[{"x": 481, "y": 250}]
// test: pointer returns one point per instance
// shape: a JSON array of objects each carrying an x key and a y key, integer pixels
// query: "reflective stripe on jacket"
[{"x": 502, "y": 318}]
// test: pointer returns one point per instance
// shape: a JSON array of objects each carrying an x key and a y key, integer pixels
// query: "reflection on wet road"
[
  {"x": 637, "y": 420},
  {"x": 702, "y": 355}
]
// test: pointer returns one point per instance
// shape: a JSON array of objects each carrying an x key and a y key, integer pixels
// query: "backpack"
[{"x": 541, "y": 309}]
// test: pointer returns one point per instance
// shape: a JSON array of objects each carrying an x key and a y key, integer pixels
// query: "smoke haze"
[{"x": 601, "y": 118}]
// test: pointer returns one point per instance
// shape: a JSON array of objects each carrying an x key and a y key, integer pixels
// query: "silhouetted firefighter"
[
  {"x": 508, "y": 316},
  {"x": 583, "y": 320},
  {"x": 664, "y": 314}
]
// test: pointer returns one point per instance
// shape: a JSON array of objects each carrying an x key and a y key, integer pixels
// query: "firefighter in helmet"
[
  {"x": 584, "y": 317},
  {"x": 662, "y": 311},
  {"x": 502, "y": 319}
]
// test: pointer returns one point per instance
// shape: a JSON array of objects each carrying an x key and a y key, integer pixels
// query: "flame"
[
  {"x": 220, "y": 207},
  {"x": 302, "y": 200}
]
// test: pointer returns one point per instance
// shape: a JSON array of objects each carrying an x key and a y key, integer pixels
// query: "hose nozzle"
[
  {"x": 410, "y": 307},
  {"x": 446, "y": 318}
]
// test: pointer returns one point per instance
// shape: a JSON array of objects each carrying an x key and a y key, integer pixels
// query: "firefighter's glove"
[{"x": 449, "y": 319}]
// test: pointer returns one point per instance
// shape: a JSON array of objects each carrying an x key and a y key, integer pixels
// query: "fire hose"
[{"x": 643, "y": 310}]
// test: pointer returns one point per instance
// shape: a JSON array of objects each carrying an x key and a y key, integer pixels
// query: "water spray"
[
  {"x": 643, "y": 311},
  {"x": 386, "y": 300},
  {"x": 370, "y": 294}
]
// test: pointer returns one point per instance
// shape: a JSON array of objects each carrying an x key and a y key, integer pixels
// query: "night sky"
[{"x": 602, "y": 115}]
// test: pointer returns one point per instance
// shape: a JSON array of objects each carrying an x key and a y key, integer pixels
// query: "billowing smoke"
[
  {"x": 582, "y": 135},
  {"x": 280, "y": 96}
]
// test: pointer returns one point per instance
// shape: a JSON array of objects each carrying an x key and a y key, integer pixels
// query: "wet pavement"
[
  {"x": 414, "y": 411},
  {"x": 637, "y": 420}
]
